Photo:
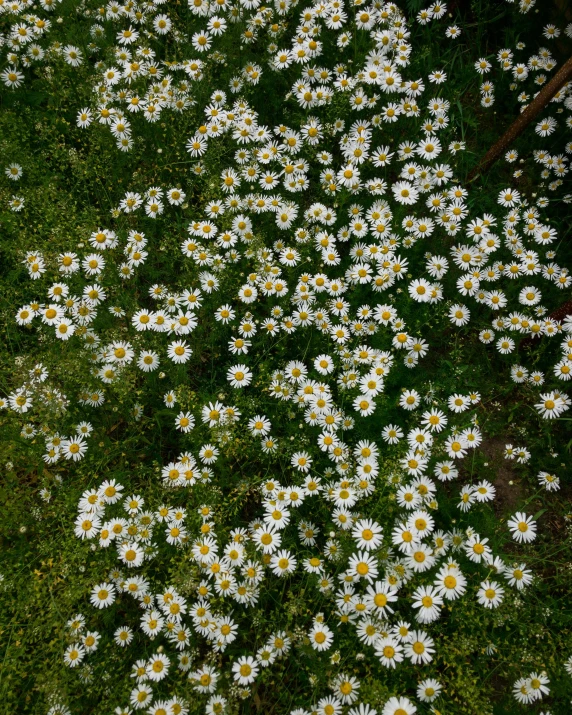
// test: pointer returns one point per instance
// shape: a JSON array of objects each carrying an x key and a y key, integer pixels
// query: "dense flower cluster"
[{"x": 345, "y": 270}]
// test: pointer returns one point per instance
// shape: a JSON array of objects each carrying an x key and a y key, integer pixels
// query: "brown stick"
[{"x": 563, "y": 76}]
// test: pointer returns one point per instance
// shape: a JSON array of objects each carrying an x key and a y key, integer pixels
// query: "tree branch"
[{"x": 563, "y": 76}]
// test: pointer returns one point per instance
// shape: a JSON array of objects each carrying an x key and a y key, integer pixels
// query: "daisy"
[
  {"x": 522, "y": 527},
  {"x": 216, "y": 704},
  {"x": 239, "y": 376},
  {"x": 346, "y": 688},
  {"x": 133, "y": 504},
  {"x": 482, "y": 66},
  {"x": 16, "y": 204},
  {"x": 162, "y": 24},
  {"x": 12, "y": 77},
  {"x": 428, "y": 690},
  {"x": 142, "y": 695},
  {"x": 415, "y": 464},
  {"x": 179, "y": 351},
  {"x": 197, "y": 145},
  {"x": 95, "y": 399},
  {"x": 76, "y": 624},
  {"x": 110, "y": 491},
  {"x": 428, "y": 601},
  {"x": 25, "y": 315},
  {"x": 205, "y": 680},
  {"x": 64, "y": 329},
  {"x": 364, "y": 404},
  {"x": 283, "y": 563},
  {"x": 389, "y": 651},
  {"x": 402, "y": 536},
  {"x": 490, "y": 594},
  {"x": 438, "y": 77},
  {"x": 486, "y": 336},
  {"x": 551, "y": 405},
  {"x": 505, "y": 345},
  {"x": 399, "y": 706},
  {"x": 363, "y": 566},
  {"x": 208, "y": 454},
  {"x": 157, "y": 667},
  {"x": 435, "y": 420},
  {"x": 538, "y": 684},
  {"x": 74, "y": 654},
  {"x": 405, "y": 193},
  {"x": 205, "y": 550},
  {"x": 321, "y": 637},
  {"x": 458, "y": 403},
  {"x": 419, "y": 648},
  {"x": 406, "y": 496},
  {"x": 175, "y": 196},
  {"x": 245, "y": 670},
  {"x": 184, "y": 422},
  {"x": 549, "y": 481},
  {"x": 13, "y": 171},
  {"x": 546, "y": 127},
  {"x": 131, "y": 554},
  {"x": 453, "y": 31},
  {"x": 484, "y": 491},
  {"x": 301, "y": 461},
  {"x": 456, "y": 447},
  {"x": 420, "y": 558},
  {"x": 508, "y": 198},
  {"x": 148, "y": 361},
  {"x": 450, "y": 583},
  {"x": 477, "y": 549},
  {"x": 392, "y": 434},
  {"x": 410, "y": 399},
  {"x": 518, "y": 576},
  {"x": 103, "y": 595},
  {"x": 73, "y": 448},
  {"x": 459, "y": 314},
  {"x": 379, "y": 596},
  {"x": 429, "y": 148},
  {"x": 421, "y": 524},
  {"x": 368, "y": 534}
]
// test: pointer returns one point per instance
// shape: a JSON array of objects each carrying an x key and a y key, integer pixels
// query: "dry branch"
[{"x": 563, "y": 76}]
